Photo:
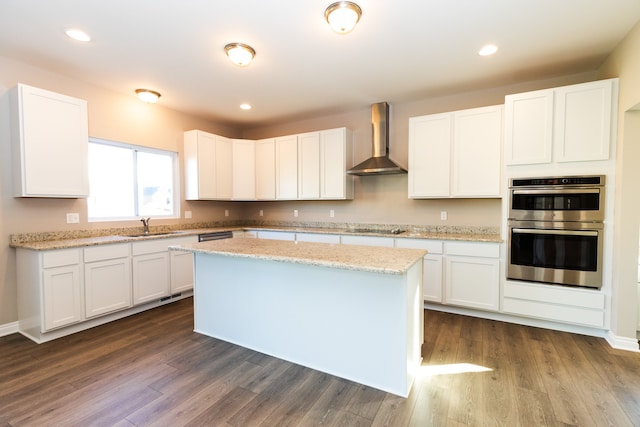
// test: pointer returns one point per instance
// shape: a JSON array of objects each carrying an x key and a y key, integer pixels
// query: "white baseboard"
[
  {"x": 8, "y": 329},
  {"x": 622, "y": 343}
]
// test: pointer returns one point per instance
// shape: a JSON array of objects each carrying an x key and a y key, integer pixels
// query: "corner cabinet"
[
  {"x": 565, "y": 124},
  {"x": 50, "y": 138},
  {"x": 456, "y": 154}
]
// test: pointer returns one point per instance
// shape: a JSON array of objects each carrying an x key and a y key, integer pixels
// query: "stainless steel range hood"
[{"x": 380, "y": 163}]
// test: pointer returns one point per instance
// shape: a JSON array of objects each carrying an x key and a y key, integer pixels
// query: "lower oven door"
[{"x": 563, "y": 253}]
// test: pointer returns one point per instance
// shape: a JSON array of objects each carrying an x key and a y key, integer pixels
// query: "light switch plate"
[
  {"x": 443, "y": 215},
  {"x": 295, "y": 212},
  {"x": 226, "y": 212},
  {"x": 187, "y": 214}
]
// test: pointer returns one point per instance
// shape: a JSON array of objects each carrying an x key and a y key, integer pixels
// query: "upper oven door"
[{"x": 557, "y": 204}]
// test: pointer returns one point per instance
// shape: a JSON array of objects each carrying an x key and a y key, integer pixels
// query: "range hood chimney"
[{"x": 380, "y": 163}]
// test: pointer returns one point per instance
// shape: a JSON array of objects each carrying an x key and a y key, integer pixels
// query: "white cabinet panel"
[
  {"x": 151, "y": 277},
  {"x": 244, "y": 170},
  {"x": 309, "y": 166},
  {"x": 318, "y": 238},
  {"x": 107, "y": 284},
  {"x": 224, "y": 168},
  {"x": 287, "y": 168},
  {"x": 529, "y": 127},
  {"x": 199, "y": 161},
  {"x": 181, "y": 271},
  {"x": 431, "y": 266},
  {"x": 472, "y": 282},
  {"x": 276, "y": 235},
  {"x": 583, "y": 121},
  {"x": 50, "y": 144},
  {"x": 387, "y": 242},
  {"x": 266, "y": 169},
  {"x": 61, "y": 298},
  {"x": 477, "y": 152},
  {"x": 336, "y": 156},
  {"x": 429, "y": 155}
]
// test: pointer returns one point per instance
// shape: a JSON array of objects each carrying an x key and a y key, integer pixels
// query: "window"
[{"x": 128, "y": 182}]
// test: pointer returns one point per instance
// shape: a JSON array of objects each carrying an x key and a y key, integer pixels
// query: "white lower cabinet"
[
  {"x": 431, "y": 266},
  {"x": 472, "y": 275},
  {"x": 150, "y": 268},
  {"x": 318, "y": 238},
  {"x": 107, "y": 279},
  {"x": 182, "y": 266},
  {"x": 61, "y": 288},
  {"x": 385, "y": 242},
  {"x": 276, "y": 235}
]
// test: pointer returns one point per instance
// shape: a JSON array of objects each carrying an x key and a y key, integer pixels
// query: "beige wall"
[
  {"x": 624, "y": 63},
  {"x": 122, "y": 117}
]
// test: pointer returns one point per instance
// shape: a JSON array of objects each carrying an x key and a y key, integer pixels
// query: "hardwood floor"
[{"x": 151, "y": 369}]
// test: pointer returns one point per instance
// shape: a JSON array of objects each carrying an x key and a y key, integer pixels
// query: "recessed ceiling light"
[
  {"x": 245, "y": 106},
  {"x": 78, "y": 35},
  {"x": 147, "y": 95},
  {"x": 487, "y": 50}
]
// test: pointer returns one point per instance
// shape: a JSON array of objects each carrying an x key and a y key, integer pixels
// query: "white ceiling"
[{"x": 402, "y": 50}]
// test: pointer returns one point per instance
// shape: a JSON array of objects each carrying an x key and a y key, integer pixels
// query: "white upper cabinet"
[
  {"x": 287, "y": 167},
  {"x": 50, "y": 144},
  {"x": 456, "y": 154},
  {"x": 224, "y": 168},
  {"x": 265, "y": 169},
  {"x": 336, "y": 156},
  {"x": 199, "y": 158},
  {"x": 477, "y": 152},
  {"x": 565, "y": 124},
  {"x": 309, "y": 166},
  {"x": 244, "y": 169}
]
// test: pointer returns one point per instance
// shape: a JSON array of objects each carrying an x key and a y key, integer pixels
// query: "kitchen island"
[{"x": 351, "y": 311}]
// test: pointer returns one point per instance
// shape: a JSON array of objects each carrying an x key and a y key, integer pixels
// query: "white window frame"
[{"x": 176, "y": 180}]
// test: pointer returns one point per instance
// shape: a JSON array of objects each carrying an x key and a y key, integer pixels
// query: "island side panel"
[{"x": 351, "y": 324}]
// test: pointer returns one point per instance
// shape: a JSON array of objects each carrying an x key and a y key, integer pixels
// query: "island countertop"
[{"x": 348, "y": 257}]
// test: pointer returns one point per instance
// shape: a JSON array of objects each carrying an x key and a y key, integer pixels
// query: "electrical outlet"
[
  {"x": 295, "y": 213},
  {"x": 443, "y": 215},
  {"x": 187, "y": 214},
  {"x": 73, "y": 218},
  {"x": 226, "y": 212},
  {"x": 261, "y": 212},
  {"x": 331, "y": 213}
]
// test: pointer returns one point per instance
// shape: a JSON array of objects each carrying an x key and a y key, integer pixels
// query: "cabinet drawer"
[
  {"x": 318, "y": 238},
  {"x": 103, "y": 252},
  {"x": 432, "y": 246},
  {"x": 487, "y": 250},
  {"x": 386, "y": 242},
  {"x": 150, "y": 246},
  {"x": 60, "y": 258},
  {"x": 555, "y": 294}
]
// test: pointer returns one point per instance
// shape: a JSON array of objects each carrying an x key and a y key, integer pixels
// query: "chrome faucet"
[{"x": 145, "y": 223}]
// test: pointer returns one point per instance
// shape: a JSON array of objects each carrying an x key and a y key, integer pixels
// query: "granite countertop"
[
  {"x": 42, "y": 241},
  {"x": 348, "y": 257}
]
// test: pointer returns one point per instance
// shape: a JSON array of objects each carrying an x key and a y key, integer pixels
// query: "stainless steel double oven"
[{"x": 556, "y": 230}]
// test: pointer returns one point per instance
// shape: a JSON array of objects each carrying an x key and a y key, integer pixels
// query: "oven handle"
[
  {"x": 558, "y": 191},
  {"x": 561, "y": 232}
]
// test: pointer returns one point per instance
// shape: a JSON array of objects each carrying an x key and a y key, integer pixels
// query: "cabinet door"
[
  {"x": 429, "y": 155},
  {"x": 224, "y": 168},
  {"x": 61, "y": 296},
  {"x": 432, "y": 278},
  {"x": 309, "y": 166},
  {"x": 107, "y": 286},
  {"x": 335, "y": 158},
  {"x": 386, "y": 242},
  {"x": 199, "y": 161},
  {"x": 181, "y": 271},
  {"x": 529, "y": 127},
  {"x": 583, "y": 121},
  {"x": 151, "y": 277},
  {"x": 477, "y": 152},
  {"x": 276, "y": 235},
  {"x": 472, "y": 282},
  {"x": 51, "y": 143},
  {"x": 244, "y": 170},
  {"x": 266, "y": 169},
  {"x": 287, "y": 168}
]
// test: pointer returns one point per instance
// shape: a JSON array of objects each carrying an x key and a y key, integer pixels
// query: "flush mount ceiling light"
[
  {"x": 78, "y": 35},
  {"x": 342, "y": 16},
  {"x": 487, "y": 50},
  {"x": 245, "y": 106},
  {"x": 147, "y": 95},
  {"x": 240, "y": 54}
]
